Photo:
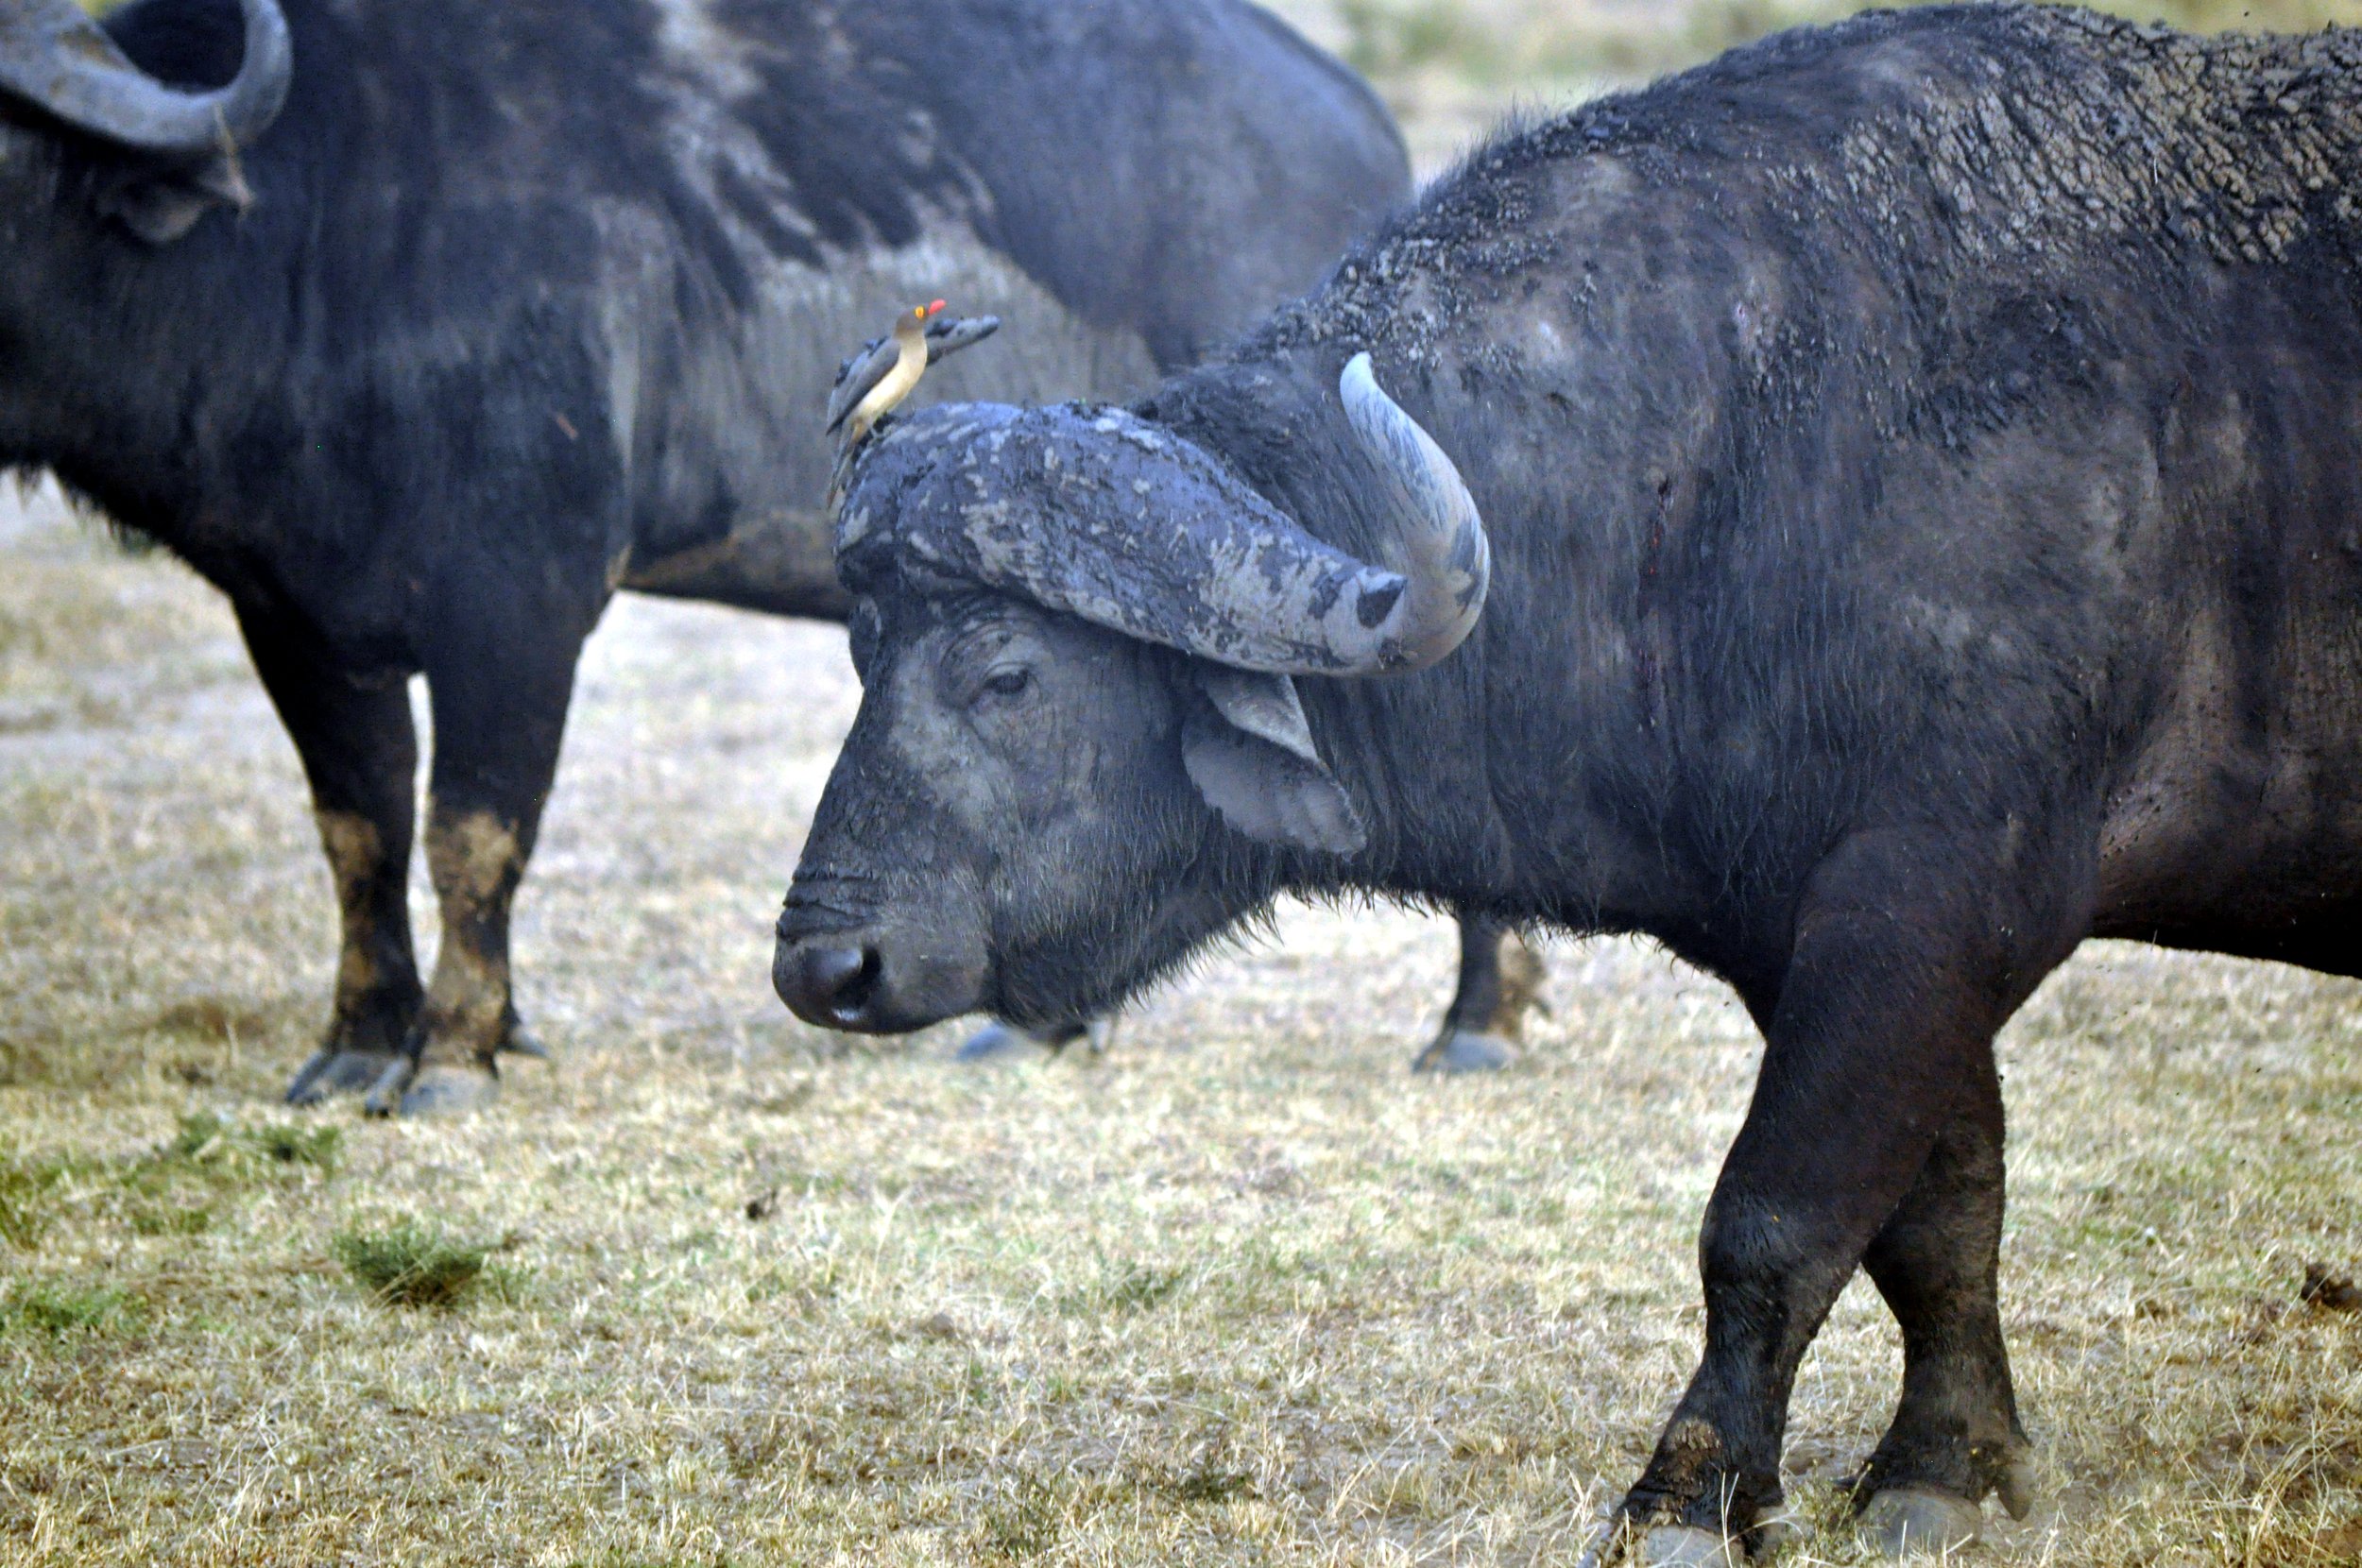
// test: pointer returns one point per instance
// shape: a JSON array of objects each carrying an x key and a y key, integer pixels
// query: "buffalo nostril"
[{"x": 831, "y": 983}]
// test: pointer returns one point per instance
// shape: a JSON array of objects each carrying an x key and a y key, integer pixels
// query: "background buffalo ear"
[
  {"x": 160, "y": 205},
  {"x": 1249, "y": 753}
]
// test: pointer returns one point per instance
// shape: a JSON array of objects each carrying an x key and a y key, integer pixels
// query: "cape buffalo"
[
  {"x": 1917, "y": 469},
  {"x": 421, "y": 326}
]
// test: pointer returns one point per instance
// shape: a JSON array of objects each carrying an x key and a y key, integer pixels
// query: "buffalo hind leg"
[
  {"x": 499, "y": 717},
  {"x": 360, "y": 754},
  {"x": 1882, "y": 1027},
  {"x": 1500, "y": 982},
  {"x": 1955, "y": 1435}
]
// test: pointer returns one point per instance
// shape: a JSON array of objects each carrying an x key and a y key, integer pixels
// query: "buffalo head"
[
  {"x": 1078, "y": 636},
  {"x": 103, "y": 166},
  {"x": 150, "y": 155}
]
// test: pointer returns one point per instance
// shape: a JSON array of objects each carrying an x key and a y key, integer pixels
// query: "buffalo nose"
[{"x": 823, "y": 984}]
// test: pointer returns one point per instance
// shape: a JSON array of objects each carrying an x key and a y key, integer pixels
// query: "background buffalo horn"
[
  {"x": 1442, "y": 548},
  {"x": 55, "y": 57}
]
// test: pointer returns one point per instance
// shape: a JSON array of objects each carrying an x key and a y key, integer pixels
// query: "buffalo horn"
[
  {"x": 53, "y": 56},
  {"x": 1442, "y": 547},
  {"x": 1123, "y": 524}
]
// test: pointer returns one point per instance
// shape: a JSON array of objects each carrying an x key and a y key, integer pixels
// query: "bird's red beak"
[{"x": 934, "y": 308}]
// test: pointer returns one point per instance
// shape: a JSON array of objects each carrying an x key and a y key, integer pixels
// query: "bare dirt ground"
[{"x": 1242, "y": 1291}]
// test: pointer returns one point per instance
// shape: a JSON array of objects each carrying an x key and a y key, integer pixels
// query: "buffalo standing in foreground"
[
  {"x": 1917, "y": 462},
  {"x": 418, "y": 326}
]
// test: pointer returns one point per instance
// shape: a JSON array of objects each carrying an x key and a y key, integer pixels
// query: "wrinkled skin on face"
[{"x": 1012, "y": 828}]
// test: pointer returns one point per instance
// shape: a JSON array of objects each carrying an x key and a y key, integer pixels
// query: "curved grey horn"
[
  {"x": 1108, "y": 517},
  {"x": 55, "y": 57},
  {"x": 1111, "y": 518},
  {"x": 1442, "y": 548}
]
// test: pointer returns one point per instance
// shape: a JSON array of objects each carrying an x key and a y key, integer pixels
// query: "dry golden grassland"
[{"x": 1242, "y": 1291}]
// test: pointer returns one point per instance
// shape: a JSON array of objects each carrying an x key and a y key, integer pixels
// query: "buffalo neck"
[
  {"x": 1523, "y": 773},
  {"x": 126, "y": 361}
]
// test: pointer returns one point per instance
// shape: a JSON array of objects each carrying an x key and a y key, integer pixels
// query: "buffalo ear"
[
  {"x": 160, "y": 205},
  {"x": 1250, "y": 754}
]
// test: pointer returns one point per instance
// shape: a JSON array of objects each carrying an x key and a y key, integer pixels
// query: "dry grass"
[{"x": 1241, "y": 1292}]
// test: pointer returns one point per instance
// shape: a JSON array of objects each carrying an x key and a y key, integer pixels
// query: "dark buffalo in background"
[
  {"x": 419, "y": 327},
  {"x": 1922, "y": 467}
]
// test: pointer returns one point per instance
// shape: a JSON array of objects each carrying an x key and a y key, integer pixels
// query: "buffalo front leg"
[
  {"x": 1500, "y": 982},
  {"x": 1955, "y": 1435},
  {"x": 1877, "y": 1041},
  {"x": 498, "y": 717},
  {"x": 360, "y": 757}
]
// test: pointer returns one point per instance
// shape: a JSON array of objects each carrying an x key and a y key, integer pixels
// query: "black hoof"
[
  {"x": 440, "y": 1090},
  {"x": 1685, "y": 1546},
  {"x": 1464, "y": 1051},
  {"x": 1919, "y": 1522},
  {"x": 521, "y": 1041},
  {"x": 384, "y": 1095},
  {"x": 331, "y": 1073},
  {"x": 998, "y": 1040}
]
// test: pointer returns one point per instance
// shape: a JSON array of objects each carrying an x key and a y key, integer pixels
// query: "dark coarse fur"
[
  {"x": 1920, "y": 457},
  {"x": 540, "y": 297}
]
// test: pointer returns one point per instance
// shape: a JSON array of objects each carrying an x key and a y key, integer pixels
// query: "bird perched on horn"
[{"x": 883, "y": 373}]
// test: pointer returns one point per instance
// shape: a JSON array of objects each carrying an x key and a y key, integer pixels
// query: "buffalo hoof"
[
  {"x": 1685, "y": 1546},
  {"x": 442, "y": 1089},
  {"x": 1919, "y": 1522},
  {"x": 1776, "y": 1532},
  {"x": 1465, "y": 1051},
  {"x": 996, "y": 1039},
  {"x": 331, "y": 1073},
  {"x": 2016, "y": 1486},
  {"x": 521, "y": 1041}
]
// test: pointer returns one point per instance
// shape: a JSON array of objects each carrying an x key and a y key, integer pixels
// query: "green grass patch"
[
  {"x": 26, "y": 1197},
  {"x": 207, "y": 1140},
  {"x": 415, "y": 1265},
  {"x": 1126, "y": 1285},
  {"x": 171, "y": 1218},
  {"x": 65, "y": 1311}
]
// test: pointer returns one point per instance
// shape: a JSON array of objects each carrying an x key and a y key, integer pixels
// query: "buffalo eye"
[{"x": 1007, "y": 683}]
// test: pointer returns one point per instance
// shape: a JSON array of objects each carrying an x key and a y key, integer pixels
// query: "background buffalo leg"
[
  {"x": 499, "y": 713},
  {"x": 361, "y": 755},
  {"x": 1500, "y": 980}
]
